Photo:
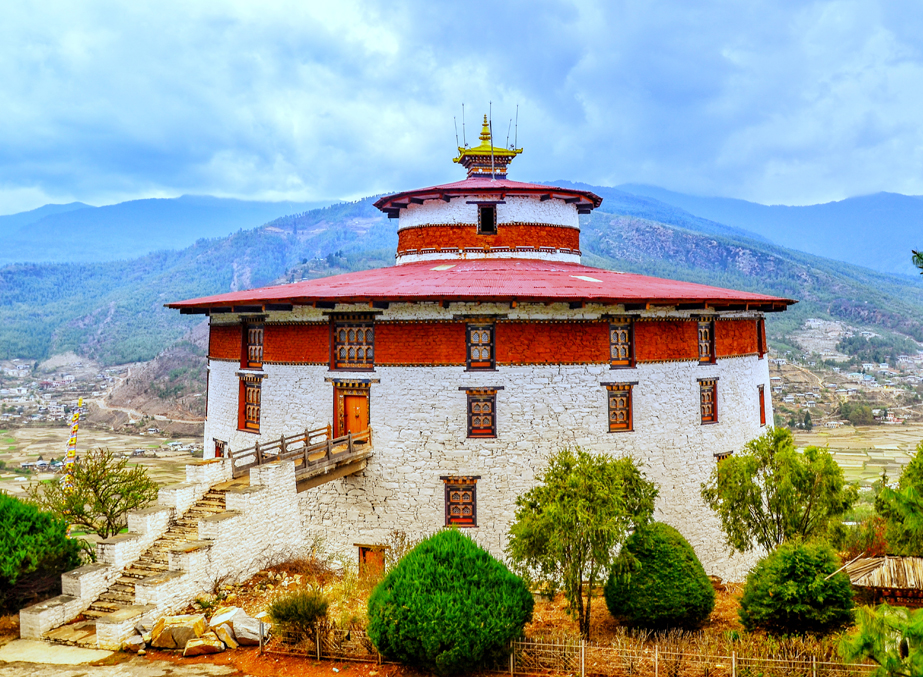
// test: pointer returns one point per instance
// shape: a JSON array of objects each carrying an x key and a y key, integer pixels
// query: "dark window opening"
[
  {"x": 621, "y": 345},
  {"x": 761, "y": 337},
  {"x": 487, "y": 220},
  {"x": 461, "y": 504},
  {"x": 723, "y": 456},
  {"x": 620, "y": 414},
  {"x": 762, "y": 406},
  {"x": 372, "y": 560}
]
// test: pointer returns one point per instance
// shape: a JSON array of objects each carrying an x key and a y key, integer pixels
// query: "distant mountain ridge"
[
  {"x": 876, "y": 231},
  {"x": 83, "y": 233}
]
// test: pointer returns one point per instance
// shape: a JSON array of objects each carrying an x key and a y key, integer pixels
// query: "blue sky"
[{"x": 775, "y": 102}]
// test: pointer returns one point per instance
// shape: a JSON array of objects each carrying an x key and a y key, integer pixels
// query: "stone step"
[
  {"x": 110, "y": 597},
  {"x": 93, "y": 613},
  {"x": 123, "y": 588},
  {"x": 105, "y": 606}
]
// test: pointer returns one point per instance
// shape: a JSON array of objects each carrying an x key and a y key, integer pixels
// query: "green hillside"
[{"x": 113, "y": 311}]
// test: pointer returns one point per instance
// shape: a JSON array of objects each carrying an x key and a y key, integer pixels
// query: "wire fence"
[{"x": 538, "y": 656}]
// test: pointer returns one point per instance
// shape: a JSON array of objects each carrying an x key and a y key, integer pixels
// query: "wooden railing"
[{"x": 311, "y": 456}]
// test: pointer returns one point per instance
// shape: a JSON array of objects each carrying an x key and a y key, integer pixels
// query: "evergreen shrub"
[
  {"x": 298, "y": 612},
  {"x": 788, "y": 592},
  {"x": 658, "y": 582},
  {"x": 448, "y": 606},
  {"x": 34, "y": 552}
]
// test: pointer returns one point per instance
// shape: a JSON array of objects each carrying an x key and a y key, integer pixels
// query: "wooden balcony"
[{"x": 318, "y": 457}]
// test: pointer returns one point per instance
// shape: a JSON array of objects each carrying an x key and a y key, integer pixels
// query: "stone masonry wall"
[{"x": 418, "y": 416}]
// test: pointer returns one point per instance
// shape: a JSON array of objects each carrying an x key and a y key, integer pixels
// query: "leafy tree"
[
  {"x": 857, "y": 413},
  {"x": 918, "y": 260},
  {"x": 569, "y": 527},
  {"x": 807, "y": 424},
  {"x": 771, "y": 493},
  {"x": 448, "y": 606},
  {"x": 105, "y": 490},
  {"x": 34, "y": 552},
  {"x": 867, "y": 538},
  {"x": 792, "y": 591},
  {"x": 891, "y": 637},
  {"x": 902, "y": 509},
  {"x": 658, "y": 582}
]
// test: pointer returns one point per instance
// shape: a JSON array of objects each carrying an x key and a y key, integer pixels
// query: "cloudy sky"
[{"x": 775, "y": 102}]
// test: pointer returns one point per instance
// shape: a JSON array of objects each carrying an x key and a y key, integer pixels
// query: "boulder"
[
  {"x": 226, "y": 635},
  {"x": 206, "y": 644},
  {"x": 133, "y": 644},
  {"x": 174, "y": 632},
  {"x": 226, "y": 615},
  {"x": 247, "y": 630}
]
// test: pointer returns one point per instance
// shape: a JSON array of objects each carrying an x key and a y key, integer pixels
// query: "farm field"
[
  {"x": 864, "y": 452},
  {"x": 20, "y": 445}
]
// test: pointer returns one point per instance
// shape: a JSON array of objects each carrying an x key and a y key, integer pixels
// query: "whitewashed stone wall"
[
  {"x": 553, "y": 212},
  {"x": 418, "y": 416}
]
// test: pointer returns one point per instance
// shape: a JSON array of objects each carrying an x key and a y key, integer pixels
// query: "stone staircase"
[{"x": 154, "y": 560}]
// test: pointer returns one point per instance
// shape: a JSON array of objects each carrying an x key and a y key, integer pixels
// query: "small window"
[
  {"x": 487, "y": 220},
  {"x": 253, "y": 345},
  {"x": 372, "y": 560},
  {"x": 482, "y": 413},
  {"x": 250, "y": 397},
  {"x": 723, "y": 456},
  {"x": 762, "y": 396},
  {"x": 621, "y": 345},
  {"x": 761, "y": 337},
  {"x": 708, "y": 399},
  {"x": 220, "y": 449},
  {"x": 481, "y": 346},
  {"x": 461, "y": 505},
  {"x": 620, "y": 416},
  {"x": 706, "y": 342},
  {"x": 354, "y": 343}
]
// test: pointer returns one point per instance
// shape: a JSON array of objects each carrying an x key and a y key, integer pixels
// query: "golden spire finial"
[{"x": 485, "y": 133}]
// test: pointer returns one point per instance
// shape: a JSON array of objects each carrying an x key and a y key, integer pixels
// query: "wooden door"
[{"x": 356, "y": 410}]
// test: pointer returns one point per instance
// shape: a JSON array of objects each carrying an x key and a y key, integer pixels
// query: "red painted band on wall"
[
  {"x": 735, "y": 337},
  {"x": 224, "y": 342},
  {"x": 297, "y": 343},
  {"x": 433, "y": 343},
  {"x": 552, "y": 343},
  {"x": 460, "y": 237},
  {"x": 666, "y": 340}
]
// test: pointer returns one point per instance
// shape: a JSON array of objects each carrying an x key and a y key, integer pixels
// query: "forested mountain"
[
  {"x": 81, "y": 233},
  {"x": 877, "y": 231},
  {"x": 113, "y": 311}
]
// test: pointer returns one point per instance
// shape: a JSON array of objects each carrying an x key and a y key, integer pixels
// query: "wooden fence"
[{"x": 576, "y": 657}]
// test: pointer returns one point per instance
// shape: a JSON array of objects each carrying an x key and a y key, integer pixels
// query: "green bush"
[
  {"x": 298, "y": 612},
  {"x": 448, "y": 606},
  {"x": 788, "y": 592},
  {"x": 658, "y": 582},
  {"x": 34, "y": 552}
]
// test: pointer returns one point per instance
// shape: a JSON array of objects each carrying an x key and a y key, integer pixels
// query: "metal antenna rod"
[
  {"x": 516, "y": 138},
  {"x": 465, "y": 140},
  {"x": 508, "y": 127},
  {"x": 490, "y": 121},
  {"x": 455, "y": 120}
]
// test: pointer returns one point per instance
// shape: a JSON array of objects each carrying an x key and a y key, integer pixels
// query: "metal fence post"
[
  {"x": 814, "y": 666},
  {"x": 261, "y": 636},
  {"x": 582, "y": 658},
  {"x": 317, "y": 639},
  {"x": 512, "y": 659},
  {"x": 733, "y": 664},
  {"x": 656, "y": 660}
]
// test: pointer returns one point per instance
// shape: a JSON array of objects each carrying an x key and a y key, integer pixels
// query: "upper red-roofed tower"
[{"x": 488, "y": 216}]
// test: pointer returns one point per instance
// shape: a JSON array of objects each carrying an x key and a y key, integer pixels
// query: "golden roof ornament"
[{"x": 486, "y": 160}]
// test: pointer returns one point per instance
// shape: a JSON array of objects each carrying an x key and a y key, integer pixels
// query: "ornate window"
[
  {"x": 708, "y": 399},
  {"x": 250, "y": 398},
  {"x": 482, "y": 412},
  {"x": 762, "y": 405},
  {"x": 487, "y": 220},
  {"x": 723, "y": 455},
  {"x": 253, "y": 345},
  {"x": 621, "y": 344},
  {"x": 461, "y": 505},
  {"x": 706, "y": 342},
  {"x": 620, "y": 414},
  {"x": 354, "y": 342},
  {"x": 761, "y": 337},
  {"x": 481, "y": 346}
]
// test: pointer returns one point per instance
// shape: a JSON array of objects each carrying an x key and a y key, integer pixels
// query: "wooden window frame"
[
  {"x": 221, "y": 448},
  {"x": 612, "y": 391},
  {"x": 480, "y": 365},
  {"x": 378, "y": 551},
  {"x": 461, "y": 484},
  {"x": 253, "y": 335},
  {"x": 762, "y": 399},
  {"x": 484, "y": 229},
  {"x": 722, "y": 456},
  {"x": 709, "y": 326},
  {"x": 628, "y": 327},
  {"x": 473, "y": 396},
  {"x": 249, "y": 385},
  {"x": 348, "y": 323},
  {"x": 761, "y": 337},
  {"x": 706, "y": 385}
]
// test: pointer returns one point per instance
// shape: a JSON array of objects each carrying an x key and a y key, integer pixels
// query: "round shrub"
[
  {"x": 787, "y": 592},
  {"x": 658, "y": 582},
  {"x": 447, "y": 606},
  {"x": 296, "y": 613},
  {"x": 34, "y": 552}
]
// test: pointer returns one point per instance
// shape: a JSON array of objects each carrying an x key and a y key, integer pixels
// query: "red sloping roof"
[
  {"x": 488, "y": 280},
  {"x": 475, "y": 185}
]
